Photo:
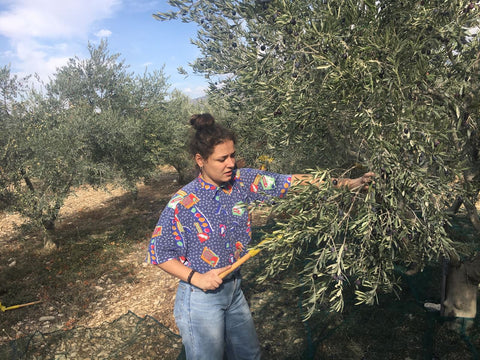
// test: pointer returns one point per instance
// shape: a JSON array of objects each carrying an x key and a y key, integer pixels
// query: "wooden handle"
[
  {"x": 13, "y": 307},
  {"x": 235, "y": 265}
]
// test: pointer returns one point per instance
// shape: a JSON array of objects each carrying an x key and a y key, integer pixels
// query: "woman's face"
[{"x": 218, "y": 167}]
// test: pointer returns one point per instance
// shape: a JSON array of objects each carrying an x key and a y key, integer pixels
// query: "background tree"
[
  {"x": 348, "y": 86},
  {"x": 87, "y": 128},
  {"x": 167, "y": 139},
  {"x": 11, "y": 110},
  {"x": 101, "y": 81}
]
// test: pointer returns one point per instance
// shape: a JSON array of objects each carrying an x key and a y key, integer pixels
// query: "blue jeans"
[{"x": 215, "y": 323}]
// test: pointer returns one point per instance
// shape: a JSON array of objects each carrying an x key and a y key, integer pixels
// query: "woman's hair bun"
[{"x": 199, "y": 121}]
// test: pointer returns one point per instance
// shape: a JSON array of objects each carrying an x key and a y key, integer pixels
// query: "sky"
[{"x": 38, "y": 36}]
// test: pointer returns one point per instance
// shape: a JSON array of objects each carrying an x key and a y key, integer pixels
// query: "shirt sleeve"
[
  {"x": 264, "y": 185},
  {"x": 166, "y": 242}
]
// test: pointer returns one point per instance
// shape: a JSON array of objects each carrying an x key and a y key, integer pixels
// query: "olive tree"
[
  {"x": 101, "y": 80},
  {"x": 168, "y": 139},
  {"x": 87, "y": 127},
  {"x": 13, "y": 91},
  {"x": 40, "y": 156},
  {"x": 342, "y": 86}
]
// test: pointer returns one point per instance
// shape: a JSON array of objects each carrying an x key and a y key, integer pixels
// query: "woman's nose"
[{"x": 231, "y": 162}]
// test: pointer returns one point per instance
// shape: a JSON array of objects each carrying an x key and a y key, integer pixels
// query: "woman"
[{"x": 203, "y": 230}]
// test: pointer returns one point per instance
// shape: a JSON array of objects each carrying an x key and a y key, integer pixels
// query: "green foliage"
[
  {"x": 349, "y": 86},
  {"x": 167, "y": 140},
  {"x": 88, "y": 127},
  {"x": 342, "y": 241},
  {"x": 11, "y": 108},
  {"x": 100, "y": 81},
  {"x": 94, "y": 124}
]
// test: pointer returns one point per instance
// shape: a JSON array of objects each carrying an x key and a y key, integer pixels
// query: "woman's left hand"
[{"x": 361, "y": 182}]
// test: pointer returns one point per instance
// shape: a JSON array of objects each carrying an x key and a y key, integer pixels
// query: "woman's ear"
[{"x": 199, "y": 160}]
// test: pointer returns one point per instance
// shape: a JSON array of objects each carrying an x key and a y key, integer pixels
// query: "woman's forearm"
[
  {"x": 176, "y": 268},
  {"x": 206, "y": 281},
  {"x": 352, "y": 184}
]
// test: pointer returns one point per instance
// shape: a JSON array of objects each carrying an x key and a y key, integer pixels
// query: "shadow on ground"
[{"x": 94, "y": 240}]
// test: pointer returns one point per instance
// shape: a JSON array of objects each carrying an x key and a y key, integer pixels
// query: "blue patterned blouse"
[{"x": 206, "y": 226}]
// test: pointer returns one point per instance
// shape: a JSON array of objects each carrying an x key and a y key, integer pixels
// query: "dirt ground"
[
  {"x": 396, "y": 329},
  {"x": 131, "y": 286},
  {"x": 150, "y": 290}
]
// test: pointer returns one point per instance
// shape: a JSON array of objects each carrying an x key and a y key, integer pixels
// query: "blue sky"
[{"x": 38, "y": 36}]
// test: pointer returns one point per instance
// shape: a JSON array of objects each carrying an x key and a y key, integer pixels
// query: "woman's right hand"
[{"x": 209, "y": 280}]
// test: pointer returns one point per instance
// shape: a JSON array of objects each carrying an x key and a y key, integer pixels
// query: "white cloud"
[
  {"x": 53, "y": 18},
  {"x": 33, "y": 57},
  {"x": 43, "y": 34},
  {"x": 195, "y": 92},
  {"x": 7, "y": 53},
  {"x": 104, "y": 33}
]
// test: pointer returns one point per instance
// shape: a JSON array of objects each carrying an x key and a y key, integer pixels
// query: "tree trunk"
[
  {"x": 185, "y": 175},
  {"x": 463, "y": 277},
  {"x": 48, "y": 242},
  {"x": 27, "y": 180},
  {"x": 48, "y": 235},
  {"x": 455, "y": 206},
  {"x": 472, "y": 214},
  {"x": 49, "y": 226},
  {"x": 461, "y": 290}
]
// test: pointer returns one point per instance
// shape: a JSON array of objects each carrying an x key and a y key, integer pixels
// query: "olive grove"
[
  {"x": 341, "y": 87},
  {"x": 92, "y": 123}
]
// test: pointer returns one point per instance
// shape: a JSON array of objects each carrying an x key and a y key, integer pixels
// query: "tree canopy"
[{"x": 342, "y": 86}]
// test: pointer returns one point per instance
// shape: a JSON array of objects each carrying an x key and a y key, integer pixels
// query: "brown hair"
[{"x": 207, "y": 135}]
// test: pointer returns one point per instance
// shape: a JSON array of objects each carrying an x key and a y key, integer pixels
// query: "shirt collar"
[{"x": 207, "y": 187}]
